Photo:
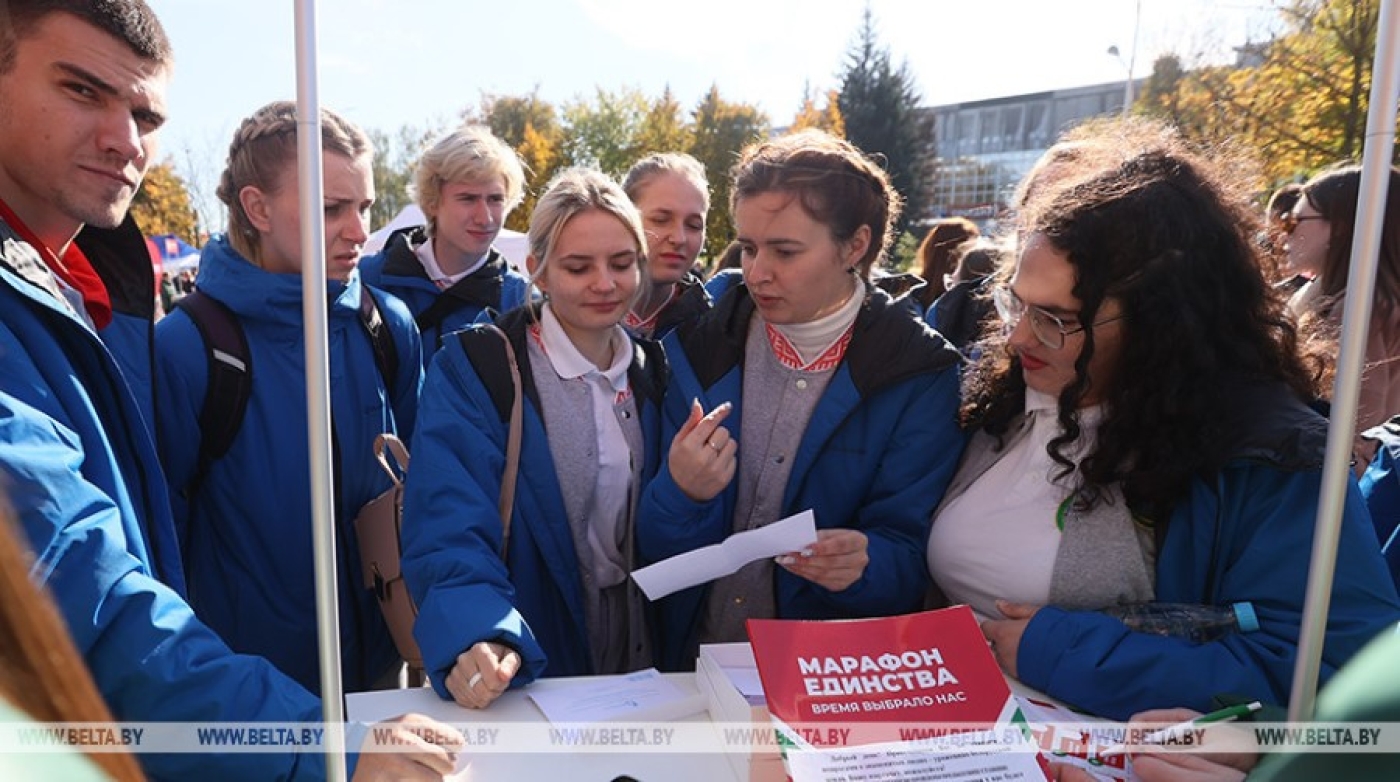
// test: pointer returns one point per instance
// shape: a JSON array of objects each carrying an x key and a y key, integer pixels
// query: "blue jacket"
[
  {"x": 247, "y": 536},
  {"x": 397, "y": 270},
  {"x": 82, "y": 474},
  {"x": 116, "y": 255},
  {"x": 692, "y": 301},
  {"x": 1380, "y": 485},
  {"x": 877, "y": 455},
  {"x": 452, "y": 525},
  {"x": 1243, "y": 534}
]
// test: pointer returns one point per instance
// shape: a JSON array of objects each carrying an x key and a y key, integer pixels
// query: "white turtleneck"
[{"x": 812, "y": 339}]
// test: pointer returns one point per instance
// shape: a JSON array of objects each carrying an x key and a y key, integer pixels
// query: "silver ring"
[
  {"x": 474, "y": 680},
  {"x": 711, "y": 443}
]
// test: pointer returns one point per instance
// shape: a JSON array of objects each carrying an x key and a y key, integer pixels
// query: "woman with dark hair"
[
  {"x": 824, "y": 392},
  {"x": 1319, "y": 243},
  {"x": 938, "y": 255},
  {"x": 1141, "y": 431}
]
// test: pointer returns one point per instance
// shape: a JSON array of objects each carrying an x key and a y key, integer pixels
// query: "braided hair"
[
  {"x": 263, "y": 154},
  {"x": 836, "y": 184}
]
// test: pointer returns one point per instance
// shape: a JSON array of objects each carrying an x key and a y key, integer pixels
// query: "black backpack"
[{"x": 231, "y": 372}]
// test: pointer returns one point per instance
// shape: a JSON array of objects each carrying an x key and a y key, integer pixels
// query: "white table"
[{"x": 549, "y": 763}]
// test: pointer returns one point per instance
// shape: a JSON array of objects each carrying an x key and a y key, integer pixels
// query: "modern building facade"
[{"x": 980, "y": 150}]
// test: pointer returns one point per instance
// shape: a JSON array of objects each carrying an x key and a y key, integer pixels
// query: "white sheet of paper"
[
  {"x": 633, "y": 697},
  {"x": 706, "y": 564}
]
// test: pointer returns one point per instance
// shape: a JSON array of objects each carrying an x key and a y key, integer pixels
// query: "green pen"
[{"x": 1227, "y": 714}]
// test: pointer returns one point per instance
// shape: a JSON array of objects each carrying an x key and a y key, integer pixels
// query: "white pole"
[
  {"x": 313, "y": 310},
  {"x": 1132, "y": 60},
  {"x": 1361, "y": 283}
]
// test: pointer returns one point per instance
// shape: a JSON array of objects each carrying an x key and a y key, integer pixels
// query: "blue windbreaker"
[
  {"x": 397, "y": 270},
  {"x": 452, "y": 525},
  {"x": 1243, "y": 534},
  {"x": 81, "y": 471},
  {"x": 876, "y": 457},
  {"x": 247, "y": 536}
]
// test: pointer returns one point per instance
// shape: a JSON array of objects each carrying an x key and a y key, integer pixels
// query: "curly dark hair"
[{"x": 1166, "y": 239}]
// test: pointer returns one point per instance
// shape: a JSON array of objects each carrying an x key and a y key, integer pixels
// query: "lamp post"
[
  {"x": 1132, "y": 57},
  {"x": 1127, "y": 82}
]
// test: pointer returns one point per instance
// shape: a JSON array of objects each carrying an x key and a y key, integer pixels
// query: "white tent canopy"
[{"x": 512, "y": 244}]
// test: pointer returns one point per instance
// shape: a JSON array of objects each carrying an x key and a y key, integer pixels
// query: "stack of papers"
[
  {"x": 728, "y": 678},
  {"x": 644, "y": 696}
]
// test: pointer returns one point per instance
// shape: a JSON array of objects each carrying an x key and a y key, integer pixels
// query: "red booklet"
[{"x": 921, "y": 691}]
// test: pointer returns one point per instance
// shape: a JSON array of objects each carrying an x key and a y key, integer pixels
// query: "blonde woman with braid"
[{"x": 244, "y": 517}]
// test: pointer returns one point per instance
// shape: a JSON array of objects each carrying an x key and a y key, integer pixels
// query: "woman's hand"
[
  {"x": 482, "y": 673},
  {"x": 1004, "y": 635},
  {"x": 1226, "y": 755},
  {"x": 703, "y": 456},
  {"x": 423, "y": 749},
  {"x": 835, "y": 561}
]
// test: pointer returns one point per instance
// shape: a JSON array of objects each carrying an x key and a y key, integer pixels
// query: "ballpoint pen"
[{"x": 1163, "y": 735}]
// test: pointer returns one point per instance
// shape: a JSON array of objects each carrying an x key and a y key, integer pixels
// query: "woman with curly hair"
[{"x": 1141, "y": 430}]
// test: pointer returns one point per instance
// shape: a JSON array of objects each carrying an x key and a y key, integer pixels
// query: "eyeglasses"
[
  {"x": 1048, "y": 329},
  {"x": 1289, "y": 221}
]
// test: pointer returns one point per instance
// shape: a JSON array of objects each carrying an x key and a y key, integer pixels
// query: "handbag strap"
[
  {"x": 508, "y": 479},
  {"x": 392, "y": 456}
]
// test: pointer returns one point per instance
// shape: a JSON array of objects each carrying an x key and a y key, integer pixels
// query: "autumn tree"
[
  {"x": 1299, "y": 100},
  {"x": 663, "y": 128},
  {"x": 162, "y": 205},
  {"x": 604, "y": 133},
  {"x": 879, "y": 105},
  {"x": 722, "y": 129},
  {"x": 530, "y": 125},
  {"x": 827, "y": 118}
]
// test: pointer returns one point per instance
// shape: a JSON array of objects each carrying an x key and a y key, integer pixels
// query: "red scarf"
[{"x": 73, "y": 268}]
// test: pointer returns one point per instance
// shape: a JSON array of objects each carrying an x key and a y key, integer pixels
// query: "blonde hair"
[
  {"x": 652, "y": 166},
  {"x": 570, "y": 193},
  {"x": 264, "y": 151},
  {"x": 468, "y": 154},
  {"x": 41, "y": 671}
]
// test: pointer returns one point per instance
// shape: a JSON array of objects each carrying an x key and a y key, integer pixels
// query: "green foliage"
[
  {"x": 1300, "y": 102},
  {"x": 605, "y": 133},
  {"x": 664, "y": 128},
  {"x": 879, "y": 104},
  {"x": 903, "y": 253},
  {"x": 722, "y": 130},
  {"x": 395, "y": 158},
  {"x": 612, "y": 131},
  {"x": 162, "y": 205}
]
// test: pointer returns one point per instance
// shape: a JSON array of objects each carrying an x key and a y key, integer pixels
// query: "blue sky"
[{"x": 389, "y": 63}]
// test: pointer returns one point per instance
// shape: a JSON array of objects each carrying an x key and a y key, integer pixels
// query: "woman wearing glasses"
[
  {"x": 1141, "y": 436},
  {"x": 1319, "y": 245}
]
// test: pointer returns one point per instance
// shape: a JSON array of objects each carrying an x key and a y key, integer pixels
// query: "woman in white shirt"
[{"x": 553, "y": 597}]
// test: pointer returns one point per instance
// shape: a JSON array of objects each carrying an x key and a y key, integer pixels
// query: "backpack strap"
[
  {"x": 489, "y": 350},
  {"x": 386, "y": 353},
  {"x": 230, "y": 380}
]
